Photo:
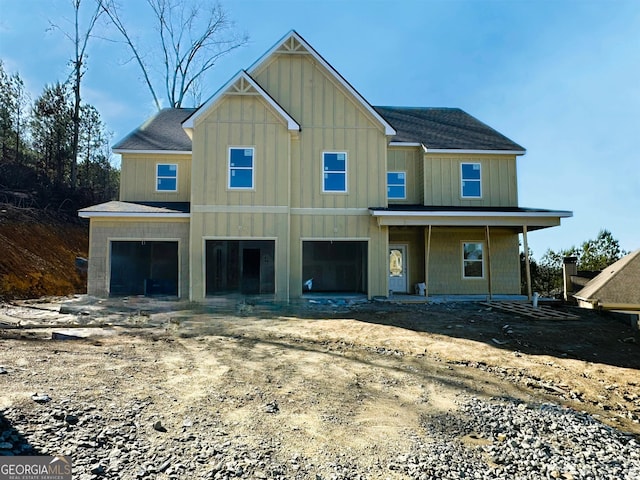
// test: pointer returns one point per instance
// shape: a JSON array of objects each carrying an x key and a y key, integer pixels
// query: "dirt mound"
[{"x": 38, "y": 251}]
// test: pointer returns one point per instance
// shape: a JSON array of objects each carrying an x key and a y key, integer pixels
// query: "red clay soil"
[{"x": 38, "y": 252}]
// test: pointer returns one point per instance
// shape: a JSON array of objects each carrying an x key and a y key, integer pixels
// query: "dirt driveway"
[{"x": 316, "y": 381}]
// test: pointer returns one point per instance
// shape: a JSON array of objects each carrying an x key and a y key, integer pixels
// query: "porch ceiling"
[{"x": 511, "y": 217}]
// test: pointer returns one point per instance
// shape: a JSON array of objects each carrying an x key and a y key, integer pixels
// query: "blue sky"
[{"x": 560, "y": 77}]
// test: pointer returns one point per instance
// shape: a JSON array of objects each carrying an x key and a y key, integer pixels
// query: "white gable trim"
[
  {"x": 388, "y": 129},
  {"x": 189, "y": 123}
]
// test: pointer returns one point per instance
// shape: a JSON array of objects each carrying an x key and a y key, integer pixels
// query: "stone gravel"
[{"x": 484, "y": 439}]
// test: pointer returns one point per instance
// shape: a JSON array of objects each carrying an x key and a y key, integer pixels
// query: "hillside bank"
[{"x": 38, "y": 251}]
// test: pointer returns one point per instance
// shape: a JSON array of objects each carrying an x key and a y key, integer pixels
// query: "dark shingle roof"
[
  {"x": 436, "y": 128},
  {"x": 163, "y": 131},
  {"x": 444, "y": 128}
]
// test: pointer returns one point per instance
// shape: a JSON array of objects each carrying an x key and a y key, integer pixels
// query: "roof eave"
[
  {"x": 475, "y": 151},
  {"x": 120, "y": 151},
  {"x": 469, "y": 213},
  {"x": 89, "y": 214}
]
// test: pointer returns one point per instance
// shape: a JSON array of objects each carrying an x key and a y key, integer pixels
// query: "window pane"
[
  {"x": 471, "y": 171},
  {"x": 473, "y": 269},
  {"x": 335, "y": 162},
  {"x": 395, "y": 191},
  {"x": 335, "y": 182},
  {"x": 241, "y": 178},
  {"x": 395, "y": 178},
  {"x": 167, "y": 184},
  {"x": 396, "y": 268},
  {"x": 241, "y": 157},
  {"x": 169, "y": 170},
  {"x": 471, "y": 188},
  {"x": 473, "y": 251}
]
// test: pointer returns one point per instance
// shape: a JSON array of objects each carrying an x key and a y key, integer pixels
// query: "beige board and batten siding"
[
  {"x": 445, "y": 262},
  {"x": 103, "y": 231},
  {"x": 138, "y": 177},
  {"x": 218, "y": 212},
  {"x": 408, "y": 160},
  {"x": 442, "y": 180},
  {"x": 238, "y": 226},
  {"x": 241, "y": 120},
  {"x": 332, "y": 120}
]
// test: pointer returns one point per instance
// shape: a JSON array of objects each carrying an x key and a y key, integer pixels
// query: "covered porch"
[{"x": 460, "y": 250}]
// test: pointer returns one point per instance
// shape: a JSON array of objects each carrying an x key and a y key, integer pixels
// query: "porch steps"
[{"x": 528, "y": 310}]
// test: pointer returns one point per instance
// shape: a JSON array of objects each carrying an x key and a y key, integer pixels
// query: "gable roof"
[
  {"x": 615, "y": 285},
  {"x": 294, "y": 36},
  {"x": 159, "y": 134},
  {"x": 445, "y": 129},
  {"x": 241, "y": 76}
]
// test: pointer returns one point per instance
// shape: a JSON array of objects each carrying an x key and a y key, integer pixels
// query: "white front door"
[{"x": 398, "y": 268}]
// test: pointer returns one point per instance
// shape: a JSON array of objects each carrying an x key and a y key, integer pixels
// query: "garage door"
[{"x": 144, "y": 268}]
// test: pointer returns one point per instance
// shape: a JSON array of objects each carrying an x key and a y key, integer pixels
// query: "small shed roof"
[{"x": 616, "y": 287}]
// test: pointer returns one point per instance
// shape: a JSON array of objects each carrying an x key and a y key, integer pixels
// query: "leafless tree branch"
[{"x": 193, "y": 36}]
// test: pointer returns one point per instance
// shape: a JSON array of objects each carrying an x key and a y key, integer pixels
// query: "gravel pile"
[{"x": 484, "y": 440}]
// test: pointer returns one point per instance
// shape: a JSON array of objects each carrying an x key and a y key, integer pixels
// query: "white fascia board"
[
  {"x": 466, "y": 213},
  {"x": 388, "y": 129},
  {"x": 475, "y": 152},
  {"x": 132, "y": 215},
  {"x": 189, "y": 123},
  {"x": 120, "y": 151},
  {"x": 408, "y": 144}
]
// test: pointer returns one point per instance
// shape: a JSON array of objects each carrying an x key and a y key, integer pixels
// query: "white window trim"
[
  {"x": 253, "y": 167},
  {"x": 462, "y": 244},
  {"x": 462, "y": 180},
  {"x": 404, "y": 185},
  {"x": 160, "y": 176},
  {"x": 346, "y": 177}
]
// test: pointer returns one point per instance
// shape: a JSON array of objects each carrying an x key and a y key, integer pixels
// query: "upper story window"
[
  {"x": 334, "y": 168},
  {"x": 396, "y": 185},
  {"x": 472, "y": 260},
  {"x": 471, "y": 180},
  {"x": 166, "y": 177},
  {"x": 241, "y": 167}
]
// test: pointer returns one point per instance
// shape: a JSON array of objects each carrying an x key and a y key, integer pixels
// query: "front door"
[{"x": 398, "y": 268}]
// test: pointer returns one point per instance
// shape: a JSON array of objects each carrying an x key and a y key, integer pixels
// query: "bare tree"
[
  {"x": 193, "y": 36},
  {"x": 80, "y": 40}
]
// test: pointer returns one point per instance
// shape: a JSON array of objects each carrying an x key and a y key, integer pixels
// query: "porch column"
[
  {"x": 489, "y": 263},
  {"x": 527, "y": 263},
  {"x": 427, "y": 234}
]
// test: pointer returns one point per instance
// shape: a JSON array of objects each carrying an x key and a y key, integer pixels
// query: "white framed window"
[
  {"x": 472, "y": 260},
  {"x": 241, "y": 165},
  {"x": 396, "y": 185},
  {"x": 334, "y": 172},
  {"x": 166, "y": 177},
  {"x": 471, "y": 175}
]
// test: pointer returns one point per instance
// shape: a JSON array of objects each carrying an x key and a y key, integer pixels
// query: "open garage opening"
[
  {"x": 144, "y": 268},
  {"x": 240, "y": 266},
  {"x": 334, "y": 266}
]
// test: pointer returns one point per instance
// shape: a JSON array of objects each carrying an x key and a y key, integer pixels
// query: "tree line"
[
  {"x": 55, "y": 149},
  {"x": 592, "y": 256},
  {"x": 38, "y": 166}
]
